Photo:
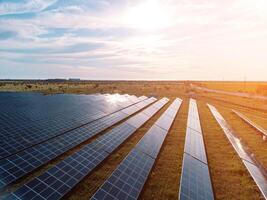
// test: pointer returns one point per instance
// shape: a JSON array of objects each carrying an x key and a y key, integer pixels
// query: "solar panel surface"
[
  {"x": 38, "y": 117},
  {"x": 257, "y": 173},
  {"x": 251, "y": 123},
  {"x": 77, "y": 165},
  {"x": 25, "y": 161},
  {"x": 194, "y": 145},
  {"x": 195, "y": 181},
  {"x": 127, "y": 181}
]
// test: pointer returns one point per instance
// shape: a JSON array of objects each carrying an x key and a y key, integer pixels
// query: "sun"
[{"x": 149, "y": 15}]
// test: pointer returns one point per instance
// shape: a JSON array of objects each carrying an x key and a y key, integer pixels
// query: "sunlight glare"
[
  {"x": 115, "y": 98},
  {"x": 149, "y": 15}
]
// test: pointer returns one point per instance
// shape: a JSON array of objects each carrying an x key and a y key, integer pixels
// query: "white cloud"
[
  {"x": 203, "y": 36},
  {"x": 24, "y": 6}
]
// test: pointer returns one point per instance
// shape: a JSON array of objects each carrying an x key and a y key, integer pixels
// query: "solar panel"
[
  {"x": 137, "y": 120},
  {"x": 127, "y": 181},
  {"x": 58, "y": 180},
  {"x": 152, "y": 99},
  {"x": 109, "y": 142},
  {"x": 138, "y": 106},
  {"x": 164, "y": 122},
  {"x": 195, "y": 181},
  {"x": 251, "y": 123},
  {"x": 78, "y": 165},
  {"x": 53, "y": 115},
  {"x": 256, "y": 171},
  {"x": 24, "y": 162},
  {"x": 238, "y": 146},
  {"x": 162, "y": 102},
  {"x": 155, "y": 136},
  {"x": 150, "y": 112},
  {"x": 258, "y": 177},
  {"x": 194, "y": 145},
  {"x": 194, "y": 124}
]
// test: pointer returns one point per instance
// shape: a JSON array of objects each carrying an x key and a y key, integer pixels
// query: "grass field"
[
  {"x": 229, "y": 176},
  {"x": 259, "y": 88}
]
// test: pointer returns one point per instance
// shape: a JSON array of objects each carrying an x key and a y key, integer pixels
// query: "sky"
[{"x": 123, "y": 39}]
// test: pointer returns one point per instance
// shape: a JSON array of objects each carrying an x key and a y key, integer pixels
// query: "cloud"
[
  {"x": 203, "y": 38},
  {"x": 23, "y": 6},
  {"x": 7, "y": 34}
]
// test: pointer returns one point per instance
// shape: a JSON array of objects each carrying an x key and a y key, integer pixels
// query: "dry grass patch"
[
  {"x": 258, "y": 118},
  {"x": 164, "y": 179},
  {"x": 230, "y": 178},
  {"x": 249, "y": 136}
]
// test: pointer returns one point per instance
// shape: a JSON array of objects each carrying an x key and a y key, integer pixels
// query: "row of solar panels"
[
  {"x": 251, "y": 123},
  {"x": 23, "y": 162},
  {"x": 126, "y": 182},
  {"x": 20, "y": 130},
  {"x": 195, "y": 179},
  {"x": 255, "y": 170},
  {"x": 61, "y": 178}
]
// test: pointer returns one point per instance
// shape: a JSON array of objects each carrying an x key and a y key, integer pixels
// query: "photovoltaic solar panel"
[
  {"x": 32, "y": 123},
  {"x": 75, "y": 167},
  {"x": 256, "y": 171},
  {"x": 251, "y": 123},
  {"x": 127, "y": 181},
  {"x": 58, "y": 180},
  {"x": 162, "y": 102},
  {"x": 194, "y": 145},
  {"x": 195, "y": 181},
  {"x": 24, "y": 162},
  {"x": 109, "y": 142},
  {"x": 137, "y": 120},
  {"x": 164, "y": 122},
  {"x": 155, "y": 136},
  {"x": 130, "y": 110},
  {"x": 150, "y": 112},
  {"x": 194, "y": 124},
  {"x": 258, "y": 177}
]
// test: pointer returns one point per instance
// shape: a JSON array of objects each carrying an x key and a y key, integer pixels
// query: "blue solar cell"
[
  {"x": 195, "y": 180},
  {"x": 109, "y": 142},
  {"x": 75, "y": 167},
  {"x": 194, "y": 145},
  {"x": 36, "y": 156},
  {"x": 251, "y": 163},
  {"x": 47, "y": 116},
  {"x": 155, "y": 136},
  {"x": 127, "y": 181},
  {"x": 137, "y": 120}
]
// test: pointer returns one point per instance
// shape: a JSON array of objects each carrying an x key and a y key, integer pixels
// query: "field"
[
  {"x": 230, "y": 178},
  {"x": 259, "y": 88}
]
